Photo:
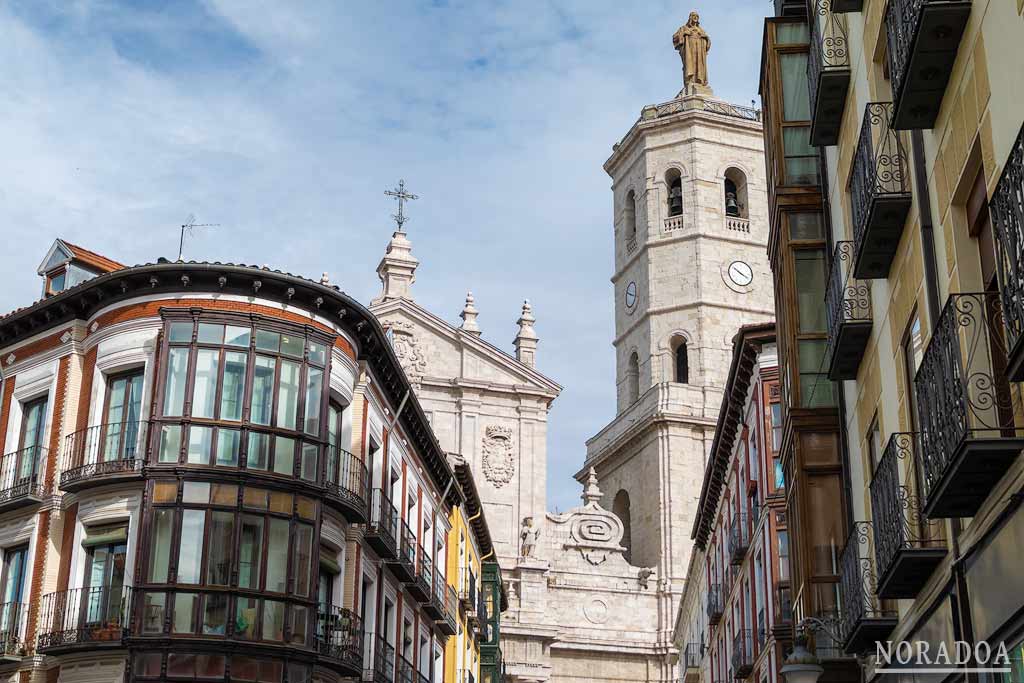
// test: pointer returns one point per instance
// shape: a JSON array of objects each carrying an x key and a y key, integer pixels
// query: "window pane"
[
  {"x": 148, "y": 664},
  {"x": 153, "y": 613},
  {"x": 306, "y": 507},
  {"x": 810, "y": 288},
  {"x": 215, "y": 615},
  {"x": 791, "y": 33},
  {"x": 170, "y": 443},
  {"x": 243, "y": 669},
  {"x": 288, "y": 394},
  {"x": 180, "y": 333},
  {"x": 805, "y": 226},
  {"x": 314, "y": 390},
  {"x": 181, "y": 664},
  {"x": 237, "y": 336},
  {"x": 160, "y": 549},
  {"x": 302, "y": 555},
  {"x": 300, "y": 625},
  {"x": 292, "y": 345},
  {"x": 218, "y": 548},
  {"x": 267, "y": 341},
  {"x": 816, "y": 390},
  {"x": 317, "y": 353},
  {"x": 254, "y": 498},
  {"x": 204, "y": 392},
  {"x": 210, "y": 333},
  {"x": 199, "y": 441},
  {"x": 184, "y": 614},
  {"x": 234, "y": 385},
  {"x": 259, "y": 451},
  {"x": 273, "y": 620},
  {"x": 281, "y": 502},
  {"x": 245, "y": 620},
  {"x": 284, "y": 455},
  {"x": 277, "y": 556},
  {"x": 250, "y": 551},
  {"x": 177, "y": 371},
  {"x": 308, "y": 465},
  {"x": 190, "y": 550},
  {"x": 224, "y": 494},
  {"x": 801, "y": 158},
  {"x": 795, "y": 96},
  {"x": 195, "y": 492},
  {"x": 262, "y": 390},
  {"x": 210, "y": 666},
  {"x": 229, "y": 441},
  {"x": 165, "y": 492}
]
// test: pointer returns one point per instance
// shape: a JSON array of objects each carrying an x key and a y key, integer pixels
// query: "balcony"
[
  {"x": 448, "y": 622},
  {"x": 406, "y": 672},
  {"x": 863, "y": 619},
  {"x": 339, "y": 639},
  {"x": 848, "y": 314},
  {"x": 908, "y": 546},
  {"x": 103, "y": 454},
  {"x": 1007, "y": 211},
  {"x": 739, "y": 538},
  {"x": 345, "y": 483},
  {"x": 382, "y": 530},
  {"x": 84, "y": 618},
  {"x": 403, "y": 566},
  {"x": 383, "y": 661},
  {"x": 714, "y": 603},
  {"x": 742, "y": 654},
  {"x": 879, "y": 192},
  {"x": 435, "y": 606},
  {"x": 467, "y": 588},
  {"x": 923, "y": 39},
  {"x": 737, "y": 224},
  {"x": 969, "y": 435},
  {"x": 422, "y": 585},
  {"x": 690, "y": 660},
  {"x": 828, "y": 73},
  {"x": 19, "y": 478},
  {"x": 12, "y": 631},
  {"x": 673, "y": 223}
]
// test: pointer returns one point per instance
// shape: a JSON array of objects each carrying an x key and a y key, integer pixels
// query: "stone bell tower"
[{"x": 690, "y": 229}]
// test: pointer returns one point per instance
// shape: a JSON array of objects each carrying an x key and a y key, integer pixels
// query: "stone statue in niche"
[
  {"x": 693, "y": 44},
  {"x": 529, "y": 535},
  {"x": 498, "y": 459}
]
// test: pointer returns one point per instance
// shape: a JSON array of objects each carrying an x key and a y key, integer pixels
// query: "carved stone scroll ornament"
[
  {"x": 498, "y": 457},
  {"x": 595, "y": 532},
  {"x": 407, "y": 347}
]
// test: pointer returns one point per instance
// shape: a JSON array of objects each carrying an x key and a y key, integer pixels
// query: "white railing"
[
  {"x": 737, "y": 224},
  {"x": 674, "y": 223}
]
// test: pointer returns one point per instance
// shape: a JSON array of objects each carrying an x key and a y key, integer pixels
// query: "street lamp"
[{"x": 802, "y": 665}]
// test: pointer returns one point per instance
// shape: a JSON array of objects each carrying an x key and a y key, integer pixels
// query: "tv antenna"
[{"x": 189, "y": 226}]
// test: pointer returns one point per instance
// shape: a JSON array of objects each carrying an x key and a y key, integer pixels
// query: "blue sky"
[{"x": 284, "y": 122}]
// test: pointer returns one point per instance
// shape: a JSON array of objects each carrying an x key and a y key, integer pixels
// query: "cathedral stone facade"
[{"x": 593, "y": 591}]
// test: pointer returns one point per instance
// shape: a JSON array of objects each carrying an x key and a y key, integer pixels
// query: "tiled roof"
[{"x": 98, "y": 261}]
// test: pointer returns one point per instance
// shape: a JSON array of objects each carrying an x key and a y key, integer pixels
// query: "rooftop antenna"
[{"x": 189, "y": 226}]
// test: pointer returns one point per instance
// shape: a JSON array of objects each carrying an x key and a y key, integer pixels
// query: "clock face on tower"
[
  {"x": 741, "y": 273},
  {"x": 631, "y": 295}
]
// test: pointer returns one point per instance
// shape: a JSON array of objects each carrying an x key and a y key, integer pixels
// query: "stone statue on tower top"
[{"x": 693, "y": 45}]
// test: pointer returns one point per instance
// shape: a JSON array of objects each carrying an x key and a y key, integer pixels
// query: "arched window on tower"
[
  {"x": 633, "y": 378},
  {"x": 735, "y": 193},
  {"x": 620, "y": 506},
  {"x": 674, "y": 181},
  {"x": 629, "y": 216},
  {"x": 682, "y": 363}
]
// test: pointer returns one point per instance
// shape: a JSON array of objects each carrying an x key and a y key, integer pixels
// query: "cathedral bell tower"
[{"x": 690, "y": 228}]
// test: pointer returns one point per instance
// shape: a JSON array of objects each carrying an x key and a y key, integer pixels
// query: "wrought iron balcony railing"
[
  {"x": 21, "y": 477},
  {"x": 692, "y": 655},
  {"x": 714, "y": 603},
  {"x": 828, "y": 72},
  {"x": 762, "y": 628},
  {"x": 908, "y": 546},
  {"x": 879, "y": 192},
  {"x": 969, "y": 434},
  {"x": 339, "y": 637},
  {"x": 825, "y": 646},
  {"x": 104, "y": 453},
  {"x": 923, "y": 39},
  {"x": 345, "y": 480},
  {"x": 783, "y": 605},
  {"x": 848, "y": 315},
  {"x": 863, "y": 618},
  {"x": 739, "y": 537},
  {"x": 84, "y": 617},
  {"x": 406, "y": 672},
  {"x": 12, "y": 629},
  {"x": 448, "y": 623},
  {"x": 1007, "y": 211},
  {"x": 404, "y": 564},
  {"x": 382, "y": 530},
  {"x": 422, "y": 585},
  {"x": 742, "y": 653},
  {"x": 383, "y": 661}
]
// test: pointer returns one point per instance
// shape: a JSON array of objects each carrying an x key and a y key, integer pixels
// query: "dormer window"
[{"x": 56, "y": 281}]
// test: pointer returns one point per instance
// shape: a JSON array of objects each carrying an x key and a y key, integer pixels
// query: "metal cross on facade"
[{"x": 402, "y": 196}]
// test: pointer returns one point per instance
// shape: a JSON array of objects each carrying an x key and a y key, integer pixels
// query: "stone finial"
[
  {"x": 324, "y": 280},
  {"x": 468, "y": 315},
  {"x": 526, "y": 341},
  {"x": 397, "y": 270},
  {"x": 592, "y": 494}
]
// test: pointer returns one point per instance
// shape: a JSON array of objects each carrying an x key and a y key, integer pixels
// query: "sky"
[{"x": 284, "y": 122}]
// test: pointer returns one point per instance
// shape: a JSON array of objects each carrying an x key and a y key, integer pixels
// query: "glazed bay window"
[
  {"x": 229, "y": 561},
  {"x": 239, "y": 395}
]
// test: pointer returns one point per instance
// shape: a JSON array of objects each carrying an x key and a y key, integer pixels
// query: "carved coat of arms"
[
  {"x": 499, "y": 460},
  {"x": 407, "y": 348}
]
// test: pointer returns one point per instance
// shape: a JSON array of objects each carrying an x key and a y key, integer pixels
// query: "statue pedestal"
[{"x": 697, "y": 89}]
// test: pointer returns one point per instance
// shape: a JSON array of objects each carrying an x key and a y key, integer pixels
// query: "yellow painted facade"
[{"x": 462, "y": 652}]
